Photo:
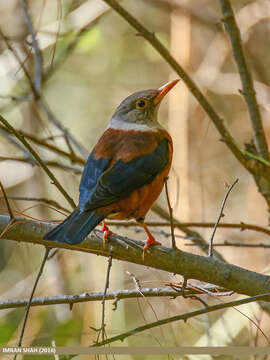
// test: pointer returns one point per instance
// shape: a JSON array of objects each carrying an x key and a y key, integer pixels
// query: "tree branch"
[
  {"x": 191, "y": 266},
  {"x": 37, "y": 53},
  {"x": 38, "y": 159},
  {"x": 246, "y": 78},
  {"x": 220, "y": 215},
  {"x": 237, "y": 226},
  {"x": 41, "y": 142},
  {"x": 29, "y": 301},
  {"x": 112, "y": 295},
  {"x": 184, "y": 317}
]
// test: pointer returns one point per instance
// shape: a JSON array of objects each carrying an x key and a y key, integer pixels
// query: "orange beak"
[{"x": 163, "y": 90}]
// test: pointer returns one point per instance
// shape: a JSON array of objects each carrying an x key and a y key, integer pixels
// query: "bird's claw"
[
  {"x": 149, "y": 242},
  {"x": 106, "y": 233}
]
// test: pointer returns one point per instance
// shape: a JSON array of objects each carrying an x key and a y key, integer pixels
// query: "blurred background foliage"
[{"x": 92, "y": 59}]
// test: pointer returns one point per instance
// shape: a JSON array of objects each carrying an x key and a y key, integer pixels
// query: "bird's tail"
[{"x": 75, "y": 227}]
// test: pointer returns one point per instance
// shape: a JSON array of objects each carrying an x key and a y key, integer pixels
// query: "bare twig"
[
  {"x": 48, "y": 163},
  {"x": 11, "y": 139},
  {"x": 184, "y": 317},
  {"x": 38, "y": 159},
  {"x": 138, "y": 287},
  {"x": 104, "y": 297},
  {"x": 37, "y": 53},
  {"x": 135, "y": 280},
  {"x": 171, "y": 215},
  {"x": 45, "y": 108},
  {"x": 43, "y": 200},
  {"x": 22, "y": 65},
  {"x": 240, "y": 245},
  {"x": 47, "y": 250},
  {"x": 205, "y": 289},
  {"x": 246, "y": 78},
  {"x": 238, "y": 226},
  {"x": 193, "y": 235},
  {"x": 12, "y": 217},
  {"x": 41, "y": 142},
  {"x": 210, "y": 250}
]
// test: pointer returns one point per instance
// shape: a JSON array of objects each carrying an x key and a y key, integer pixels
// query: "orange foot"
[
  {"x": 149, "y": 242},
  {"x": 106, "y": 233}
]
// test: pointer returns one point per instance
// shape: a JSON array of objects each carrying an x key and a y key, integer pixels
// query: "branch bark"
[
  {"x": 189, "y": 265},
  {"x": 110, "y": 295}
]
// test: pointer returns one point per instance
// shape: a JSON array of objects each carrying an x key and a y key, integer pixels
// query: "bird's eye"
[{"x": 141, "y": 104}]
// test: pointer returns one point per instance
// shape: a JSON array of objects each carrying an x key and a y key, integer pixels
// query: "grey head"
[{"x": 140, "y": 109}]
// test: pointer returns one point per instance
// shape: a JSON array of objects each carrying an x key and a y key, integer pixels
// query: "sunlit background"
[{"x": 92, "y": 59}]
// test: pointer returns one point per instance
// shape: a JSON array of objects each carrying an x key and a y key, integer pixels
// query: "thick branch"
[
  {"x": 246, "y": 78},
  {"x": 189, "y": 265}
]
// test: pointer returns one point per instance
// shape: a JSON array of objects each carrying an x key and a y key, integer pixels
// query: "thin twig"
[
  {"x": 11, "y": 139},
  {"x": 104, "y": 297},
  {"x": 238, "y": 226},
  {"x": 174, "y": 247},
  {"x": 7, "y": 202},
  {"x": 246, "y": 78},
  {"x": 135, "y": 281},
  {"x": 12, "y": 218},
  {"x": 45, "y": 108},
  {"x": 47, "y": 250},
  {"x": 22, "y": 65},
  {"x": 193, "y": 235},
  {"x": 38, "y": 159},
  {"x": 42, "y": 103},
  {"x": 232, "y": 244},
  {"x": 41, "y": 142},
  {"x": 184, "y": 317},
  {"x": 138, "y": 287},
  {"x": 210, "y": 250},
  {"x": 37, "y": 53},
  {"x": 48, "y": 163},
  {"x": 208, "y": 289},
  {"x": 41, "y": 199}
]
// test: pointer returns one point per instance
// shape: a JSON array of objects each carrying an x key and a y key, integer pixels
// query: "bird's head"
[{"x": 141, "y": 107}]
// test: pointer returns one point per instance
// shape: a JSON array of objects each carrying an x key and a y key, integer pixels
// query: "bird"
[{"x": 125, "y": 172}]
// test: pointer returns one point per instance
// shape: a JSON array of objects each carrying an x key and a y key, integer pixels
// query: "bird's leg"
[
  {"x": 106, "y": 232},
  {"x": 150, "y": 240}
]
